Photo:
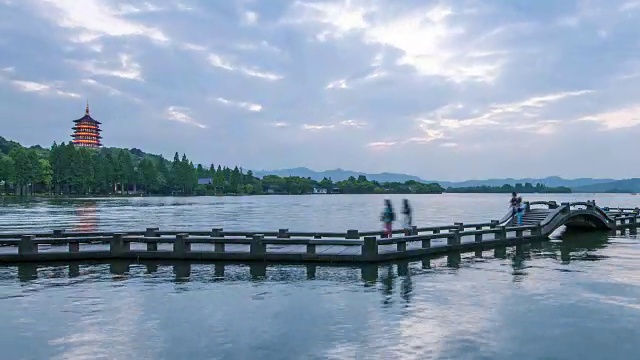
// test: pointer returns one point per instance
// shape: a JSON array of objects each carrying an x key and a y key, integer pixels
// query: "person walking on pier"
[
  {"x": 387, "y": 218},
  {"x": 406, "y": 210},
  {"x": 513, "y": 203},
  {"x": 519, "y": 210},
  {"x": 516, "y": 208}
]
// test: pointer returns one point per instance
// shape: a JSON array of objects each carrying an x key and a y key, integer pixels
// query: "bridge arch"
[{"x": 585, "y": 216}]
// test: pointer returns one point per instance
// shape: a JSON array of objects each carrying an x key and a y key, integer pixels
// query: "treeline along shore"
[{"x": 66, "y": 170}]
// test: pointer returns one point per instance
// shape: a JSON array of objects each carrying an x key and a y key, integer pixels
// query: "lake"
[{"x": 575, "y": 297}]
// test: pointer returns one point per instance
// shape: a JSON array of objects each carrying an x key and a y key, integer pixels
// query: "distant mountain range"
[{"x": 577, "y": 185}]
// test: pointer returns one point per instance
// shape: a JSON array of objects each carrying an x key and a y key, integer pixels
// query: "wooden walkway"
[{"x": 540, "y": 220}]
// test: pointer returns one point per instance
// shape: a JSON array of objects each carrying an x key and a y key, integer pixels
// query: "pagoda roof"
[
  {"x": 93, "y": 136},
  {"x": 80, "y": 127},
  {"x": 87, "y": 118}
]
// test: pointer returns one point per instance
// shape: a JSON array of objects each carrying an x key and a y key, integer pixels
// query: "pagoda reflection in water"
[
  {"x": 86, "y": 217},
  {"x": 86, "y": 131}
]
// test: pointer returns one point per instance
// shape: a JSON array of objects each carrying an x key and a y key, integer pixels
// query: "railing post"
[
  {"x": 493, "y": 224},
  {"x": 453, "y": 238},
  {"x": 370, "y": 248},
  {"x": 501, "y": 234},
  {"x": 519, "y": 234},
  {"x": 26, "y": 246},
  {"x": 311, "y": 248},
  {"x": 459, "y": 225},
  {"x": 414, "y": 230},
  {"x": 117, "y": 245},
  {"x": 181, "y": 244},
  {"x": 401, "y": 246},
  {"x": 58, "y": 233},
  {"x": 151, "y": 232},
  {"x": 257, "y": 247},
  {"x": 634, "y": 225},
  {"x": 552, "y": 205},
  {"x": 478, "y": 237},
  {"x": 353, "y": 234},
  {"x": 436, "y": 231},
  {"x": 217, "y": 232},
  {"x": 74, "y": 247},
  {"x": 283, "y": 233},
  {"x": 537, "y": 231},
  {"x": 217, "y": 247},
  {"x": 426, "y": 243}
]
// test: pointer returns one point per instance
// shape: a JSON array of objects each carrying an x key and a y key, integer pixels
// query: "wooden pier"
[{"x": 541, "y": 219}]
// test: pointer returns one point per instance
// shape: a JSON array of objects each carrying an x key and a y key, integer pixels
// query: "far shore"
[{"x": 50, "y": 196}]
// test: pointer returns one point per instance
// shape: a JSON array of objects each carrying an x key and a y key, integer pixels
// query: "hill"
[
  {"x": 619, "y": 186},
  {"x": 340, "y": 175}
]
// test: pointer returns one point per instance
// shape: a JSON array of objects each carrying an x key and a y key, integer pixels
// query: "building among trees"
[{"x": 86, "y": 131}]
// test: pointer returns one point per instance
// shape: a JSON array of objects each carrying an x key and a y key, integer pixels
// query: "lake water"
[{"x": 573, "y": 298}]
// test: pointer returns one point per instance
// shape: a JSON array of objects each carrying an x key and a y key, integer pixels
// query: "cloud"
[
  {"x": 45, "y": 89},
  {"x": 93, "y": 19},
  {"x": 250, "y": 18},
  {"x": 182, "y": 115},
  {"x": 424, "y": 36},
  {"x": 219, "y": 62},
  {"x": 616, "y": 119},
  {"x": 428, "y": 83},
  {"x": 126, "y": 68},
  {"x": 353, "y": 123},
  {"x": 240, "y": 104},
  {"x": 506, "y": 115},
  {"x": 381, "y": 144},
  {"x": 110, "y": 90},
  {"x": 318, "y": 127},
  {"x": 280, "y": 124}
]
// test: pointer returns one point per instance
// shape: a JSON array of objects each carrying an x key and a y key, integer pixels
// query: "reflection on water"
[
  {"x": 297, "y": 213},
  {"x": 583, "y": 248},
  {"x": 86, "y": 217}
]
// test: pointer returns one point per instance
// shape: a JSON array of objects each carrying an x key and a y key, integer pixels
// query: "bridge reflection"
[{"x": 573, "y": 247}]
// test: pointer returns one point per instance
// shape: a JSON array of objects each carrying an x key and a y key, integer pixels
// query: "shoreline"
[{"x": 48, "y": 196}]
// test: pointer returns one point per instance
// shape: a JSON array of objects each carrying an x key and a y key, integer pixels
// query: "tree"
[
  {"x": 44, "y": 176},
  {"x": 7, "y": 171}
]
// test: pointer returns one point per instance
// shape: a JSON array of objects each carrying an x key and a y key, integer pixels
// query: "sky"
[{"x": 446, "y": 90}]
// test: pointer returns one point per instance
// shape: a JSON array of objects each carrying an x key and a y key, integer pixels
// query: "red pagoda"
[{"x": 86, "y": 131}]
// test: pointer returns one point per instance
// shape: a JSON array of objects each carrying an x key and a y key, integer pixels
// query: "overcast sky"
[{"x": 445, "y": 90}]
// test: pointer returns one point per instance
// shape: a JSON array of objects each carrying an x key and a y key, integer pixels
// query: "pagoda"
[{"x": 86, "y": 131}]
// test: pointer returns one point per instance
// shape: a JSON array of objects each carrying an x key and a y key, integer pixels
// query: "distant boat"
[{"x": 634, "y": 194}]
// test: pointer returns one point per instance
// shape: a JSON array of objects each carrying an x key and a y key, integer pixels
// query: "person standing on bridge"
[
  {"x": 406, "y": 210},
  {"x": 513, "y": 203},
  {"x": 519, "y": 209},
  {"x": 387, "y": 218}
]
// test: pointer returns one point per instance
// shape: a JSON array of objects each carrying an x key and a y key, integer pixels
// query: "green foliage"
[
  {"x": 363, "y": 186},
  {"x": 67, "y": 170},
  {"x": 527, "y": 188}
]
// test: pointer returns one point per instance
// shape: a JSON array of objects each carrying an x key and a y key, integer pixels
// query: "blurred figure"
[
  {"x": 387, "y": 218},
  {"x": 519, "y": 210},
  {"x": 513, "y": 203},
  {"x": 406, "y": 210}
]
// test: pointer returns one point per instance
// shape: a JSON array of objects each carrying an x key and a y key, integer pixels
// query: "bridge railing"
[
  {"x": 257, "y": 246},
  {"x": 548, "y": 204}
]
